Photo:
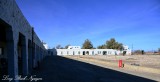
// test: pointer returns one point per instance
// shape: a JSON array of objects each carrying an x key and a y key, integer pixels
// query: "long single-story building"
[
  {"x": 76, "y": 50},
  {"x": 87, "y": 52},
  {"x": 20, "y": 48}
]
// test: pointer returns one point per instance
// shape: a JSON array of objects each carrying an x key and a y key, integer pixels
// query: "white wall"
[{"x": 91, "y": 52}]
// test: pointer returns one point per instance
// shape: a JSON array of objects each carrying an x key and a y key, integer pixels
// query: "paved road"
[{"x": 59, "y": 69}]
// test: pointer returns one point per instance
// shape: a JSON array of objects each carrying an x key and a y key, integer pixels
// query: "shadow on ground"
[{"x": 60, "y": 69}]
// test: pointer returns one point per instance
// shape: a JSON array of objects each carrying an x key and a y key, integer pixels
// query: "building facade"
[
  {"x": 76, "y": 50},
  {"x": 45, "y": 45},
  {"x": 21, "y": 48},
  {"x": 74, "y": 47}
]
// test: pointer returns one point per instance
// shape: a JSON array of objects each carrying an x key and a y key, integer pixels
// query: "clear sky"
[{"x": 65, "y": 22}]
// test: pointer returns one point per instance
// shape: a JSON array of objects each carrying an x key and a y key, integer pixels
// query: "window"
[{"x": 1, "y": 51}]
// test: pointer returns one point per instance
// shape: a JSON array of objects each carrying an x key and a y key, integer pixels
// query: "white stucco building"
[
  {"x": 76, "y": 50},
  {"x": 126, "y": 48},
  {"x": 45, "y": 45},
  {"x": 74, "y": 47}
]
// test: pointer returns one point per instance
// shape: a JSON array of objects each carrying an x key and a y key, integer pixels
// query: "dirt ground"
[
  {"x": 65, "y": 69},
  {"x": 151, "y": 61},
  {"x": 147, "y": 66}
]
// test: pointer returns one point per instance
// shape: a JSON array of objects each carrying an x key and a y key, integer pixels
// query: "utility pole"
[{"x": 132, "y": 49}]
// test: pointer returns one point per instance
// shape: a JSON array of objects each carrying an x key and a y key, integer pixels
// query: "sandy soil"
[
  {"x": 65, "y": 69},
  {"x": 147, "y": 66},
  {"x": 151, "y": 61}
]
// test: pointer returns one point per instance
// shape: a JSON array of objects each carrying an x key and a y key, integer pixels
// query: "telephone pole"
[{"x": 132, "y": 49}]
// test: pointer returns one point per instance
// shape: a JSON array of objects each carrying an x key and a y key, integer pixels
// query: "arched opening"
[
  {"x": 67, "y": 53},
  {"x": 87, "y": 52},
  {"x": 84, "y": 53},
  {"x": 61, "y": 53},
  {"x": 92, "y": 52},
  {"x": 79, "y": 53},
  {"x": 104, "y": 52}
]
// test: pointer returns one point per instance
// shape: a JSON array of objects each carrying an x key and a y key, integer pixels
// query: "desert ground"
[
  {"x": 147, "y": 66},
  {"x": 90, "y": 69},
  {"x": 96, "y": 68}
]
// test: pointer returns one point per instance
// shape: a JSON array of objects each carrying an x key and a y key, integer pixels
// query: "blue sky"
[{"x": 65, "y": 22}]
